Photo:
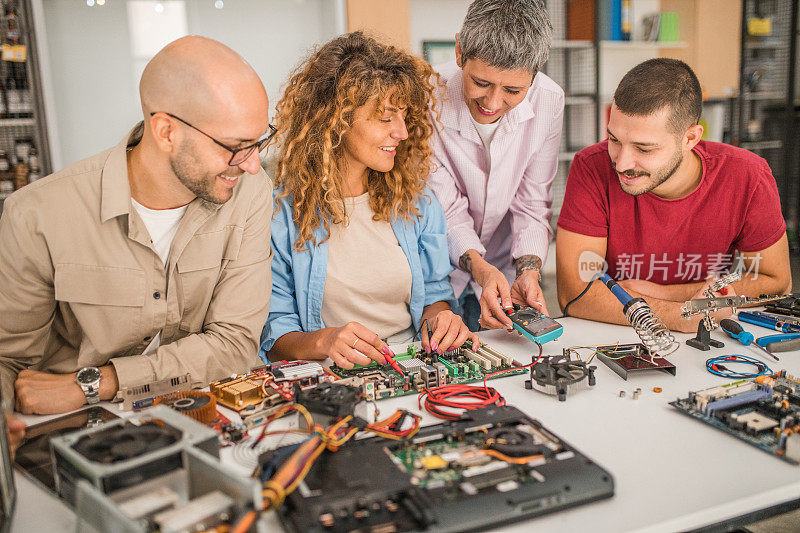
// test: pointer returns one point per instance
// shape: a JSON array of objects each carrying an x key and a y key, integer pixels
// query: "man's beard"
[
  {"x": 660, "y": 177},
  {"x": 201, "y": 185}
]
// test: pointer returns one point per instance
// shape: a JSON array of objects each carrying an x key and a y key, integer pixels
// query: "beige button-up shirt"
[{"x": 81, "y": 285}]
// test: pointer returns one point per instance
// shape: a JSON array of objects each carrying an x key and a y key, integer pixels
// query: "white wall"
[
  {"x": 435, "y": 20},
  {"x": 272, "y": 35},
  {"x": 94, "y": 74},
  {"x": 94, "y": 92}
]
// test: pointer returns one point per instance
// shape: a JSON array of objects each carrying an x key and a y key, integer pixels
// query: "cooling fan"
[
  {"x": 515, "y": 442},
  {"x": 155, "y": 471},
  {"x": 127, "y": 452},
  {"x": 558, "y": 376},
  {"x": 120, "y": 443},
  {"x": 331, "y": 399},
  {"x": 201, "y": 406}
]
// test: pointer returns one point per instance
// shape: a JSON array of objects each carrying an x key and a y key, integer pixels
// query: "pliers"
[{"x": 783, "y": 342}]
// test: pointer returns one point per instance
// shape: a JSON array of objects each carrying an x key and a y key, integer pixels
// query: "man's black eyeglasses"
[{"x": 238, "y": 155}]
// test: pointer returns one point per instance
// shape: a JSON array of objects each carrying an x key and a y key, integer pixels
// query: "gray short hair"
[{"x": 507, "y": 34}]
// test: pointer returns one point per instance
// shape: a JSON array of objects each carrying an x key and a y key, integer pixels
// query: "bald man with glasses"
[{"x": 151, "y": 260}]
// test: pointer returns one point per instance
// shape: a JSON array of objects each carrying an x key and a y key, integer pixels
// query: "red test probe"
[{"x": 391, "y": 362}]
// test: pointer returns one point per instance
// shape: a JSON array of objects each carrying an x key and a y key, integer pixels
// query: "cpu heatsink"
[{"x": 558, "y": 376}]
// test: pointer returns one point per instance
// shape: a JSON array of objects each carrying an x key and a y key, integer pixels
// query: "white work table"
[{"x": 671, "y": 473}]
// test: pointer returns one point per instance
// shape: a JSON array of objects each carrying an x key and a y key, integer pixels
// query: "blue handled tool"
[
  {"x": 734, "y": 330},
  {"x": 792, "y": 320},
  {"x": 767, "y": 321},
  {"x": 784, "y": 342}
]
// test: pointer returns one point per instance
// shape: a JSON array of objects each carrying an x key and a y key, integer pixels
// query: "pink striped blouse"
[{"x": 503, "y": 212}]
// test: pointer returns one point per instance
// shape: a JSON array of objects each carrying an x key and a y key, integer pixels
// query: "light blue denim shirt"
[{"x": 298, "y": 278}]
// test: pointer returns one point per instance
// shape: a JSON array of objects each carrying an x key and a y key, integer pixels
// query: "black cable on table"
[{"x": 584, "y": 291}]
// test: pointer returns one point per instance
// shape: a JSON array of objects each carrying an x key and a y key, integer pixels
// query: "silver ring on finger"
[{"x": 355, "y": 342}]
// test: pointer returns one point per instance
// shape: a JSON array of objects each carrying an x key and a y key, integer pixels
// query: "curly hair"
[{"x": 317, "y": 109}]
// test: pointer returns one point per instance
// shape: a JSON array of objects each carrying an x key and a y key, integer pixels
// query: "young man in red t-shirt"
[{"x": 665, "y": 210}]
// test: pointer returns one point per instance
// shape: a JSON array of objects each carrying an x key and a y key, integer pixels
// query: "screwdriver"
[{"x": 734, "y": 330}]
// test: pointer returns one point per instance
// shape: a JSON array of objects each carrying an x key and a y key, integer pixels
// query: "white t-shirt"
[
  {"x": 486, "y": 133},
  {"x": 162, "y": 225}
]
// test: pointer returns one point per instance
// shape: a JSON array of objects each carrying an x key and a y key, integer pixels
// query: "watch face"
[{"x": 88, "y": 376}]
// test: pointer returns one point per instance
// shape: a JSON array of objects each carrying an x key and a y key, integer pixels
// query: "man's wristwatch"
[{"x": 88, "y": 379}]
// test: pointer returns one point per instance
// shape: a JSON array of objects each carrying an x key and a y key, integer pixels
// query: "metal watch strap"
[{"x": 92, "y": 394}]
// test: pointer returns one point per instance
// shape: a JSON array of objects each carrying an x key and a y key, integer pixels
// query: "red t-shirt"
[{"x": 735, "y": 207}]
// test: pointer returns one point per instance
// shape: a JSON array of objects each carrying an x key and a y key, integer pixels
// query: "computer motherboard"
[
  {"x": 422, "y": 370},
  {"x": 764, "y": 412},
  {"x": 493, "y": 466}
]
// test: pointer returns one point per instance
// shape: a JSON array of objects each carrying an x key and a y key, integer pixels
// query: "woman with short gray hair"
[{"x": 496, "y": 152}]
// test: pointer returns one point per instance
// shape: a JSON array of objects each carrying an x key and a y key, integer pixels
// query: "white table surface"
[{"x": 671, "y": 473}]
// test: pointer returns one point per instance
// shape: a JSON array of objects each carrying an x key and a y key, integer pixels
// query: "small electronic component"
[
  {"x": 231, "y": 433},
  {"x": 273, "y": 383},
  {"x": 558, "y": 376},
  {"x": 706, "y": 399},
  {"x": 195, "y": 404},
  {"x": 141, "y": 396},
  {"x": 294, "y": 370},
  {"x": 270, "y": 384},
  {"x": 411, "y": 365},
  {"x": 478, "y": 359},
  {"x": 428, "y": 376},
  {"x": 441, "y": 373},
  {"x": 331, "y": 399},
  {"x": 433, "y": 462},
  {"x": 764, "y": 412},
  {"x": 375, "y": 384},
  {"x": 754, "y": 422},
  {"x": 504, "y": 359},
  {"x": 237, "y": 393},
  {"x": 255, "y": 415},
  {"x": 536, "y": 326}
]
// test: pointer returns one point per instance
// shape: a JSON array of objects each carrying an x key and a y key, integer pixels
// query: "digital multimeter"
[{"x": 533, "y": 324}]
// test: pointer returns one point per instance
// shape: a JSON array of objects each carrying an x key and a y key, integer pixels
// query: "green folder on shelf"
[{"x": 668, "y": 26}]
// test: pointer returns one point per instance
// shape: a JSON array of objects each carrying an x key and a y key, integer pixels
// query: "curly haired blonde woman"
[{"x": 359, "y": 242}]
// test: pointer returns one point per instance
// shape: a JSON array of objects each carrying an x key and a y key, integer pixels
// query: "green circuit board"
[
  {"x": 476, "y": 461},
  {"x": 439, "y": 463},
  {"x": 424, "y": 371}
]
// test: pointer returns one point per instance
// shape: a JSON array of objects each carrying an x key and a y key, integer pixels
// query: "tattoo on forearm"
[
  {"x": 465, "y": 262},
  {"x": 527, "y": 262}
]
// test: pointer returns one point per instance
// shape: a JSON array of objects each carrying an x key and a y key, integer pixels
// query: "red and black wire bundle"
[
  {"x": 439, "y": 401},
  {"x": 457, "y": 396}
]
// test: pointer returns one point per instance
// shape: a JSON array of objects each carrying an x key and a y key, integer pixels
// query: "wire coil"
[{"x": 651, "y": 330}]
